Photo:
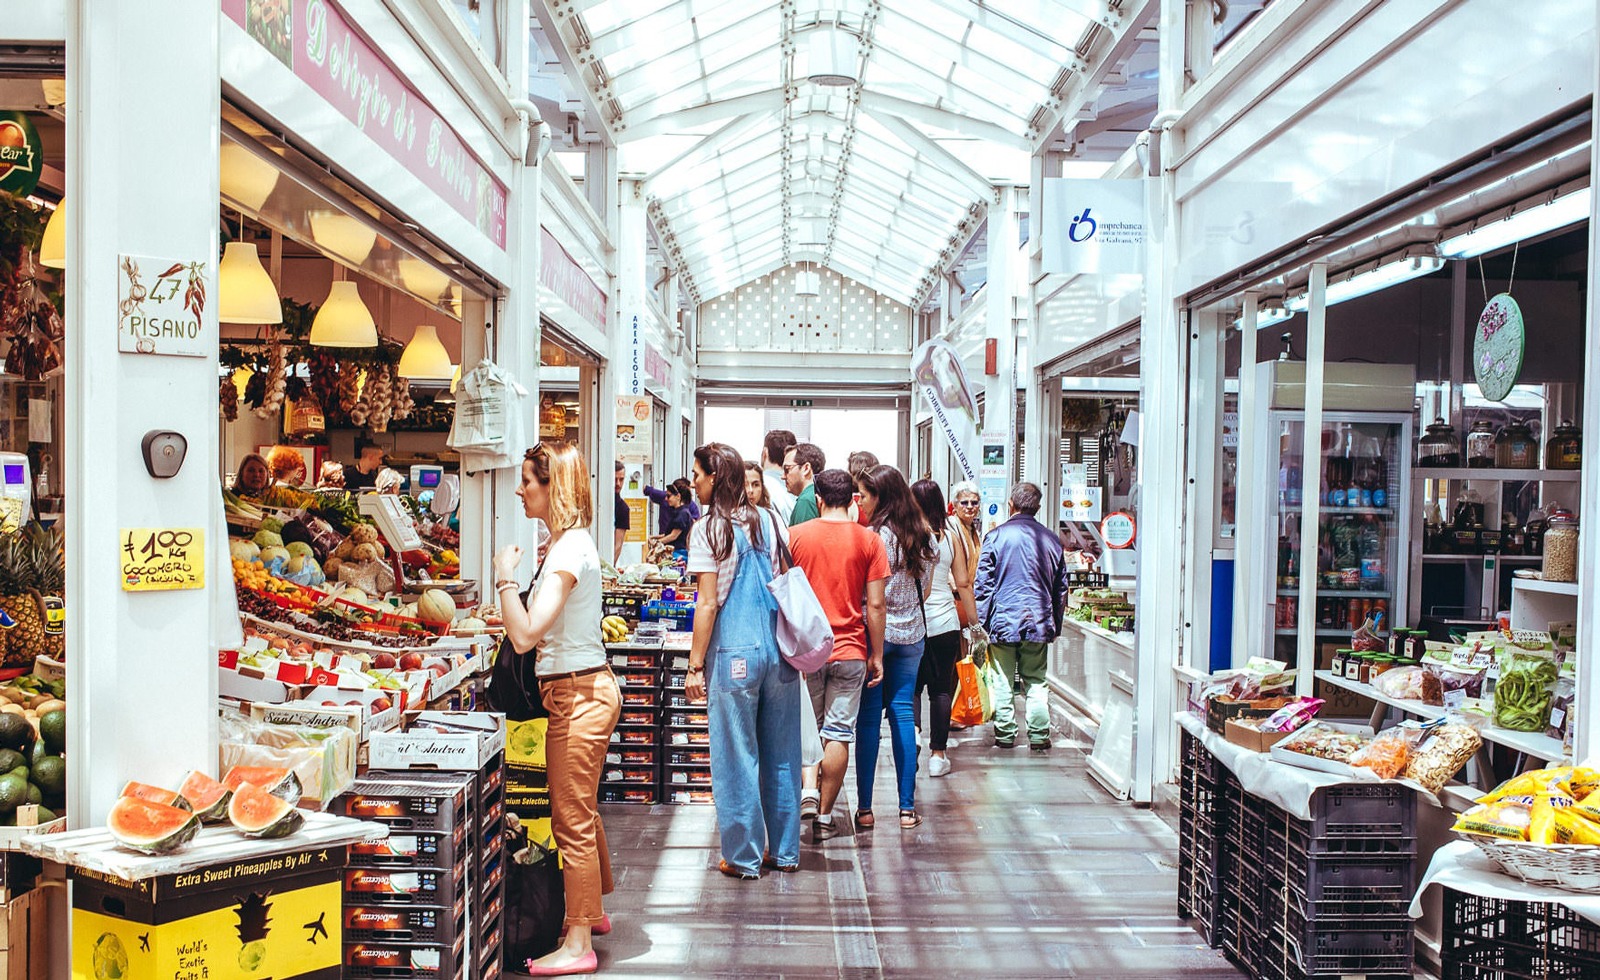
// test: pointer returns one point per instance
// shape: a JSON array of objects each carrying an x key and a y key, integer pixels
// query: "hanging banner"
[
  {"x": 1079, "y": 501},
  {"x": 938, "y": 373},
  {"x": 994, "y": 483},
  {"x": 1093, "y": 227},
  {"x": 635, "y": 429}
]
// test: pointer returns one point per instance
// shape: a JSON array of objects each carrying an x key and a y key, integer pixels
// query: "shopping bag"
[
  {"x": 966, "y": 708},
  {"x": 805, "y": 637},
  {"x": 536, "y": 904},
  {"x": 996, "y": 686}
]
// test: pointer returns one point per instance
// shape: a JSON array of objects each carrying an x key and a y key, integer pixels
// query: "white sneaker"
[{"x": 938, "y": 766}]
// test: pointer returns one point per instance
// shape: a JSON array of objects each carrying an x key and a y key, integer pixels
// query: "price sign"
[
  {"x": 1118, "y": 530},
  {"x": 157, "y": 559}
]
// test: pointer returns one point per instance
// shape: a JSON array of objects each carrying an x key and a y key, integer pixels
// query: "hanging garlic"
[
  {"x": 228, "y": 395},
  {"x": 349, "y": 388},
  {"x": 277, "y": 383},
  {"x": 403, "y": 403},
  {"x": 380, "y": 391}
]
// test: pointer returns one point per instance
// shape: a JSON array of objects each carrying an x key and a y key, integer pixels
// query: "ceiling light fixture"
[
  {"x": 347, "y": 237},
  {"x": 807, "y": 283},
  {"x": 53, "y": 246},
  {"x": 1520, "y": 225},
  {"x": 344, "y": 320},
  {"x": 1360, "y": 282},
  {"x": 835, "y": 57},
  {"x": 247, "y": 180},
  {"x": 425, "y": 358},
  {"x": 245, "y": 291},
  {"x": 423, "y": 279}
]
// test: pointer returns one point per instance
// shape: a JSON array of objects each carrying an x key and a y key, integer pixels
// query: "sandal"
[
  {"x": 733, "y": 872},
  {"x": 768, "y": 861},
  {"x": 865, "y": 819},
  {"x": 910, "y": 820}
]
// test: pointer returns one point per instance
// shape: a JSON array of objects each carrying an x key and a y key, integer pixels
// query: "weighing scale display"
[{"x": 393, "y": 520}]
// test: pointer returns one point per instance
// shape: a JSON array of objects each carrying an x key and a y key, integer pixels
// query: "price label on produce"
[{"x": 158, "y": 559}]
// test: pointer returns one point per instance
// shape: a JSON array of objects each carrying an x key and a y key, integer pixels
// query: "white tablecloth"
[
  {"x": 1461, "y": 866},
  {"x": 1290, "y": 788}
]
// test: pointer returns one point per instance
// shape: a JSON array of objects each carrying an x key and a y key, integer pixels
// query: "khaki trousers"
[{"x": 583, "y": 711}]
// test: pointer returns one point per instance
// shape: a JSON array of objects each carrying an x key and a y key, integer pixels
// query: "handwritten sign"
[
  {"x": 157, "y": 559},
  {"x": 161, "y": 307}
]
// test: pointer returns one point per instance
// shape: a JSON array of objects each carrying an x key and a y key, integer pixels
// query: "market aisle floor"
[{"x": 1023, "y": 867}]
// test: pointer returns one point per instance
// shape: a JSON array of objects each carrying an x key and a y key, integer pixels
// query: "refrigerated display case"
[{"x": 1360, "y": 548}]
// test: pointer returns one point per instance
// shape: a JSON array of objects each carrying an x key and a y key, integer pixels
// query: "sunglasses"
[{"x": 966, "y": 503}]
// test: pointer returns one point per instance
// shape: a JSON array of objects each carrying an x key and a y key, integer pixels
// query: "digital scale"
[
  {"x": 16, "y": 491},
  {"x": 392, "y": 519},
  {"x": 425, "y": 478}
]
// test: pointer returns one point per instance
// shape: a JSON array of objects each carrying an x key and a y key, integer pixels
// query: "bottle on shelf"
[
  {"x": 1511, "y": 534},
  {"x": 1434, "y": 542},
  {"x": 1515, "y": 448},
  {"x": 1439, "y": 445},
  {"x": 1564, "y": 450},
  {"x": 1533, "y": 530},
  {"x": 1480, "y": 445}
]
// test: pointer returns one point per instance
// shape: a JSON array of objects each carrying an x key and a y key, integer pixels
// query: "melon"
[
  {"x": 245, "y": 551},
  {"x": 436, "y": 606},
  {"x": 206, "y": 797},
  {"x": 256, "y": 813},
  {"x": 281, "y": 783},
  {"x": 300, "y": 548},
  {"x": 151, "y": 827},
  {"x": 155, "y": 794}
]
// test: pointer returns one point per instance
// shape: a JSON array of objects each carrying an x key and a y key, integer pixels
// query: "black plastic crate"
[
  {"x": 411, "y": 850},
  {"x": 1341, "y": 953},
  {"x": 631, "y": 755},
  {"x": 405, "y": 924},
  {"x": 398, "y": 961},
  {"x": 388, "y": 886},
  {"x": 630, "y": 794},
  {"x": 405, "y": 804},
  {"x": 1364, "y": 810},
  {"x": 639, "y": 678},
  {"x": 1494, "y": 939}
]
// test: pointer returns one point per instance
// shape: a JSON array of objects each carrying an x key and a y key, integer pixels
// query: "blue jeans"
[
  {"x": 754, "y": 708},
  {"x": 901, "y": 662}
]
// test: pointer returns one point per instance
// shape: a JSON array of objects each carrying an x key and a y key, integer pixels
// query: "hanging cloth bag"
[{"x": 805, "y": 637}]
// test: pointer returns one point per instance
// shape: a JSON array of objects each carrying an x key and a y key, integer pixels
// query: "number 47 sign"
[{"x": 156, "y": 559}]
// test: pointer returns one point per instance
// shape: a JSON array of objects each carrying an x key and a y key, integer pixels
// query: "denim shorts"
[{"x": 836, "y": 698}]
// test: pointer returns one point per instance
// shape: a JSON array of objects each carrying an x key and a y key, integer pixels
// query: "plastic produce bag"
[
  {"x": 1523, "y": 694},
  {"x": 1507, "y": 818},
  {"x": 1388, "y": 752},
  {"x": 1446, "y": 750},
  {"x": 1291, "y": 716},
  {"x": 323, "y": 759},
  {"x": 1411, "y": 684},
  {"x": 966, "y": 708},
  {"x": 996, "y": 685}
]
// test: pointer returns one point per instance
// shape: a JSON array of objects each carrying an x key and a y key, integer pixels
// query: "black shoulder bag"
[{"x": 508, "y": 690}]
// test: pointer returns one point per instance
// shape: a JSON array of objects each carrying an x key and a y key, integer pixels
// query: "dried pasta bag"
[
  {"x": 1588, "y": 807},
  {"x": 1449, "y": 748},
  {"x": 1542, "y": 817},
  {"x": 1532, "y": 783},
  {"x": 1507, "y": 819},
  {"x": 1573, "y": 828}
]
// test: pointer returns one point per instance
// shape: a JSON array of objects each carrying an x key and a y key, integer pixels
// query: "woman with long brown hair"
[
  {"x": 562, "y": 623},
  {"x": 888, "y": 508},
  {"x": 734, "y": 663},
  {"x": 947, "y": 601}
]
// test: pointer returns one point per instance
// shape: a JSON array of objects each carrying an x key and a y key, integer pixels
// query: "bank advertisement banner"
[
  {"x": 1093, "y": 227},
  {"x": 937, "y": 372}
]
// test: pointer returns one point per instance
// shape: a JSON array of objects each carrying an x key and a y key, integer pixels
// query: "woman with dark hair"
[
  {"x": 888, "y": 508},
  {"x": 952, "y": 585},
  {"x": 755, "y": 490},
  {"x": 734, "y": 664}
]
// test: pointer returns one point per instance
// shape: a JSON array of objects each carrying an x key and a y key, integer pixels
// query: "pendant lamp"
[
  {"x": 53, "y": 246},
  {"x": 344, "y": 320},
  {"x": 246, "y": 293},
  {"x": 246, "y": 179},
  {"x": 425, "y": 357},
  {"x": 349, "y": 238},
  {"x": 422, "y": 279}
]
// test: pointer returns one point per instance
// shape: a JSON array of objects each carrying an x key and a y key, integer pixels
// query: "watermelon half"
[
  {"x": 281, "y": 783},
  {"x": 256, "y": 813},
  {"x": 151, "y": 827},
  {"x": 155, "y": 794},
  {"x": 206, "y": 797}
]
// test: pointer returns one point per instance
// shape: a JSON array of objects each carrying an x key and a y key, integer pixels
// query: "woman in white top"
[
  {"x": 952, "y": 585},
  {"x": 562, "y": 623}
]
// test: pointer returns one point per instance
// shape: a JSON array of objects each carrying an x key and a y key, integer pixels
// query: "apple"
[
  {"x": 330, "y": 704},
  {"x": 383, "y": 661},
  {"x": 411, "y": 661},
  {"x": 438, "y": 670},
  {"x": 381, "y": 704}
]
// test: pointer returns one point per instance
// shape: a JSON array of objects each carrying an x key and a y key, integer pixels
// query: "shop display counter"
[{"x": 226, "y": 906}]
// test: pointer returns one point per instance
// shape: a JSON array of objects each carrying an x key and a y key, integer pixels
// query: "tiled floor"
[{"x": 1024, "y": 867}]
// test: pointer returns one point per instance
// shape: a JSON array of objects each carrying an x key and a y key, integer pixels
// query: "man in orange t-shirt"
[{"x": 847, "y": 568}]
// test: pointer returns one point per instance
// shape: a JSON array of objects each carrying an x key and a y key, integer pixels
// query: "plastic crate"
[
  {"x": 625, "y": 793},
  {"x": 405, "y": 924},
  {"x": 1494, "y": 939},
  {"x": 1199, "y": 847},
  {"x": 1364, "y": 810}
]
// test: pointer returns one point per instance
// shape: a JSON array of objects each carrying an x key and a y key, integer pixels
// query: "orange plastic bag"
[{"x": 966, "y": 708}]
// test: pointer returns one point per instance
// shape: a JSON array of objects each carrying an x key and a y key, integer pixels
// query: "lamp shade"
[
  {"x": 53, "y": 247},
  {"x": 835, "y": 57},
  {"x": 425, "y": 358},
  {"x": 422, "y": 279},
  {"x": 246, "y": 293},
  {"x": 344, "y": 236},
  {"x": 344, "y": 320},
  {"x": 807, "y": 284},
  {"x": 246, "y": 178}
]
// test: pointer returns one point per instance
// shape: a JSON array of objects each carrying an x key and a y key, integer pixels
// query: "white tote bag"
[{"x": 805, "y": 637}]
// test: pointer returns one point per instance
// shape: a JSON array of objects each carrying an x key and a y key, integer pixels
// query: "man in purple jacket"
[{"x": 1021, "y": 590}]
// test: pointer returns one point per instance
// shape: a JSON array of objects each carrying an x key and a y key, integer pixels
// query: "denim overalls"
[{"x": 754, "y": 712}]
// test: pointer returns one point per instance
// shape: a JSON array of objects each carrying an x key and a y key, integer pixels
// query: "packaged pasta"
[
  {"x": 1507, "y": 818},
  {"x": 1439, "y": 758},
  {"x": 1542, "y": 816},
  {"x": 1574, "y": 828},
  {"x": 1532, "y": 783}
]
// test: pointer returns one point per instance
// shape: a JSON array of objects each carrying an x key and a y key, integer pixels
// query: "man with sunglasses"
[{"x": 801, "y": 464}]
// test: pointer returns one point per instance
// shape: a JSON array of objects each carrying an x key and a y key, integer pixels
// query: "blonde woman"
[{"x": 562, "y": 623}]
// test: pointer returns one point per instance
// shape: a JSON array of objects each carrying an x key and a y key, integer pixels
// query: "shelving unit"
[
  {"x": 1539, "y": 585},
  {"x": 1535, "y": 604}
]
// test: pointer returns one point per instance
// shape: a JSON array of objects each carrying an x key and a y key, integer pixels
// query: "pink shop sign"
[
  {"x": 565, "y": 277},
  {"x": 657, "y": 367},
  {"x": 318, "y": 42}
]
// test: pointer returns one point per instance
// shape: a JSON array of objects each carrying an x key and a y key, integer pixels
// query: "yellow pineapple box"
[
  {"x": 527, "y": 783},
  {"x": 274, "y": 916}
]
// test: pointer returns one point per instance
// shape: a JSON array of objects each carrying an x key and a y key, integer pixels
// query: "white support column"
[
  {"x": 1248, "y": 491},
  {"x": 629, "y": 232},
  {"x": 129, "y": 71},
  {"x": 1586, "y": 740},
  {"x": 1311, "y": 471},
  {"x": 1206, "y": 371},
  {"x": 1000, "y": 389}
]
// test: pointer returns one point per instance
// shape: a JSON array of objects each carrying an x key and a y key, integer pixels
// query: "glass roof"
[{"x": 781, "y": 170}]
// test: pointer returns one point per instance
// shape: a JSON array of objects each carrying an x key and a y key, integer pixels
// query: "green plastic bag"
[{"x": 996, "y": 685}]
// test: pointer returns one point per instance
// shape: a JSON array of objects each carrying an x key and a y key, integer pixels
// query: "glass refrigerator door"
[{"x": 1357, "y": 549}]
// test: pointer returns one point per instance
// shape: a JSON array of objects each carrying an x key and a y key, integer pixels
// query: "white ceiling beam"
[
  {"x": 620, "y": 38},
  {"x": 768, "y": 101},
  {"x": 558, "y": 32},
  {"x": 957, "y": 52},
  {"x": 1109, "y": 52},
  {"x": 941, "y": 157},
  {"x": 640, "y": 88},
  {"x": 990, "y": 19},
  {"x": 726, "y": 136},
  {"x": 879, "y": 104},
  {"x": 941, "y": 91}
]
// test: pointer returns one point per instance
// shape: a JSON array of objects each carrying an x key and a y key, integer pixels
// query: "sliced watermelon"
[
  {"x": 151, "y": 827},
  {"x": 281, "y": 783},
  {"x": 256, "y": 813},
  {"x": 155, "y": 794},
  {"x": 206, "y": 797}
]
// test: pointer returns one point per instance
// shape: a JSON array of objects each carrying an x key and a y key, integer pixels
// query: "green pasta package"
[{"x": 1522, "y": 696}]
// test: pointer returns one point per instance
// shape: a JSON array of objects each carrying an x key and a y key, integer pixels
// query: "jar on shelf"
[
  {"x": 1561, "y": 548},
  {"x": 1533, "y": 532},
  {"x": 1564, "y": 450},
  {"x": 1439, "y": 445},
  {"x": 1515, "y": 448},
  {"x": 1480, "y": 445}
]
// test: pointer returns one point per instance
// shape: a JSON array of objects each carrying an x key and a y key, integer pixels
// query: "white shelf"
[
  {"x": 1494, "y": 475},
  {"x": 1536, "y": 744},
  {"x": 1479, "y": 559},
  {"x": 1340, "y": 593},
  {"x": 1540, "y": 585}
]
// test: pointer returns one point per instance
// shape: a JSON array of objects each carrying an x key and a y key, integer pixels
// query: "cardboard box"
[
  {"x": 461, "y": 741},
  {"x": 1251, "y": 738},
  {"x": 215, "y": 920},
  {"x": 310, "y": 712}
]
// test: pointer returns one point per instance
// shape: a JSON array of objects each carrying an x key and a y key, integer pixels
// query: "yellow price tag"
[{"x": 157, "y": 559}]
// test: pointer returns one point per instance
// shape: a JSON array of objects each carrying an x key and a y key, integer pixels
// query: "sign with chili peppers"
[
  {"x": 21, "y": 154},
  {"x": 161, "y": 307},
  {"x": 158, "y": 559}
]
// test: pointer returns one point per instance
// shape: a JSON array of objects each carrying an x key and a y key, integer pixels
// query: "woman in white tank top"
[{"x": 942, "y": 648}]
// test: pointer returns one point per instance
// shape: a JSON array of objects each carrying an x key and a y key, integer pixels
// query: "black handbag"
[
  {"x": 536, "y": 903},
  {"x": 513, "y": 686}
]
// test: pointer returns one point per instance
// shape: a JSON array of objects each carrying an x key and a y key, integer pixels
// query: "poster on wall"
[
  {"x": 21, "y": 154},
  {"x": 1079, "y": 501},
  {"x": 161, "y": 307},
  {"x": 1093, "y": 227},
  {"x": 635, "y": 429},
  {"x": 994, "y": 488},
  {"x": 940, "y": 376}
]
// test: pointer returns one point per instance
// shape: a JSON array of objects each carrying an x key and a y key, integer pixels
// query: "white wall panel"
[{"x": 1378, "y": 102}]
